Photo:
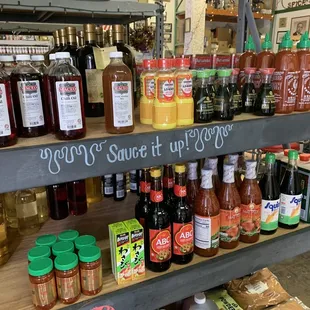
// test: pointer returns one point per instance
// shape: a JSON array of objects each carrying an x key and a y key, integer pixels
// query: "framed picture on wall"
[
  {"x": 299, "y": 25},
  {"x": 167, "y": 37},
  {"x": 280, "y": 35},
  {"x": 167, "y": 27}
]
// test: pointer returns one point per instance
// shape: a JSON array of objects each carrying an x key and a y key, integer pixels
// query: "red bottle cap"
[
  {"x": 249, "y": 70},
  {"x": 267, "y": 71},
  {"x": 235, "y": 71},
  {"x": 149, "y": 63},
  {"x": 164, "y": 63},
  {"x": 182, "y": 62},
  {"x": 286, "y": 152},
  {"x": 304, "y": 157}
]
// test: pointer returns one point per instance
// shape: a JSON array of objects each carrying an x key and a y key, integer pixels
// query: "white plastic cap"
[
  {"x": 6, "y": 58},
  {"x": 51, "y": 57},
  {"x": 116, "y": 55},
  {"x": 37, "y": 58},
  {"x": 22, "y": 57},
  {"x": 62, "y": 55},
  {"x": 200, "y": 298}
]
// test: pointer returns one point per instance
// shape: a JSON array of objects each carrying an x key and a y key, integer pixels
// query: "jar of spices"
[
  {"x": 48, "y": 240},
  {"x": 42, "y": 283},
  {"x": 68, "y": 235},
  {"x": 39, "y": 252},
  {"x": 91, "y": 270},
  {"x": 62, "y": 247},
  {"x": 86, "y": 240},
  {"x": 68, "y": 278}
]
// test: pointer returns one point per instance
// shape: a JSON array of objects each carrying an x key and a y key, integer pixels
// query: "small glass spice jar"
[
  {"x": 91, "y": 270},
  {"x": 39, "y": 252},
  {"x": 42, "y": 283},
  {"x": 68, "y": 278},
  {"x": 48, "y": 240},
  {"x": 85, "y": 240},
  {"x": 68, "y": 235},
  {"x": 62, "y": 247}
]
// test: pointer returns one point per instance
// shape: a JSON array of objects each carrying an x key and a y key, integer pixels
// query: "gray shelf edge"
[{"x": 174, "y": 286}]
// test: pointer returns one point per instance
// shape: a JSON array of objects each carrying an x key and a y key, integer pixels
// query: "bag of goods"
[
  {"x": 223, "y": 300},
  {"x": 292, "y": 304}
]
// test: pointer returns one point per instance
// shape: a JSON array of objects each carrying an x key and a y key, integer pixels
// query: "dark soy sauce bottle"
[
  {"x": 77, "y": 197},
  {"x": 248, "y": 92},
  {"x": 57, "y": 200},
  {"x": 119, "y": 186},
  {"x": 168, "y": 182},
  {"x": 233, "y": 88}
]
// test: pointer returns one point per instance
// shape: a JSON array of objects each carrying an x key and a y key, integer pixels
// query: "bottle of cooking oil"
[
  {"x": 10, "y": 209},
  {"x": 27, "y": 212},
  {"x": 93, "y": 190},
  {"x": 42, "y": 206},
  {"x": 4, "y": 250}
]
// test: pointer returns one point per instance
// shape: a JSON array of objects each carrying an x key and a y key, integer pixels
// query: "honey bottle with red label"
[
  {"x": 181, "y": 221},
  {"x": 158, "y": 229}
]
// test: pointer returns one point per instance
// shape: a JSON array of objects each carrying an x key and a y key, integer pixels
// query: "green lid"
[
  {"x": 40, "y": 267},
  {"x": 249, "y": 45},
  {"x": 48, "y": 240},
  {"x": 68, "y": 235},
  {"x": 62, "y": 247},
  {"x": 203, "y": 74},
  {"x": 267, "y": 44},
  {"x": 270, "y": 158},
  {"x": 85, "y": 240},
  {"x": 212, "y": 72},
  {"x": 304, "y": 41},
  {"x": 286, "y": 41},
  {"x": 194, "y": 72},
  {"x": 39, "y": 252},
  {"x": 224, "y": 72},
  {"x": 66, "y": 261},
  {"x": 89, "y": 254},
  {"x": 292, "y": 154}
]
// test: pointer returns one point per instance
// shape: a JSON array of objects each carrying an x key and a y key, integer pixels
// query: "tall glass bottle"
[
  {"x": 207, "y": 217},
  {"x": 67, "y": 94},
  {"x": 91, "y": 77},
  {"x": 93, "y": 190},
  {"x": 158, "y": 229},
  {"x": 55, "y": 48},
  {"x": 27, "y": 212},
  {"x": 58, "y": 201},
  {"x": 192, "y": 185},
  {"x": 100, "y": 36},
  {"x": 181, "y": 221},
  {"x": 230, "y": 212},
  {"x": 168, "y": 182},
  {"x": 234, "y": 91},
  {"x": 133, "y": 180},
  {"x": 271, "y": 197},
  {"x": 291, "y": 194},
  {"x": 211, "y": 163},
  {"x": 248, "y": 92},
  {"x": 107, "y": 185},
  {"x": 77, "y": 197},
  {"x": 234, "y": 159},
  {"x": 4, "y": 248},
  {"x": 9, "y": 202},
  {"x": 119, "y": 186},
  {"x": 42, "y": 206},
  {"x": 211, "y": 83},
  {"x": 71, "y": 46},
  {"x": 80, "y": 35},
  {"x": 251, "y": 202}
]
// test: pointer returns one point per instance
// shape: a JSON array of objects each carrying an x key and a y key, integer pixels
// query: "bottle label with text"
[
  {"x": 168, "y": 182},
  {"x": 304, "y": 98},
  {"x": 44, "y": 293},
  {"x": 230, "y": 224},
  {"x": 94, "y": 85},
  {"x": 145, "y": 187},
  {"x": 270, "y": 214},
  {"x": 148, "y": 87},
  {"x": 250, "y": 219},
  {"x": 184, "y": 85},
  {"x": 165, "y": 89},
  {"x": 179, "y": 191},
  {"x": 68, "y": 288},
  {"x": 183, "y": 238},
  {"x": 5, "y": 126},
  {"x": 160, "y": 245},
  {"x": 156, "y": 196},
  {"x": 290, "y": 206},
  {"x": 91, "y": 280}
]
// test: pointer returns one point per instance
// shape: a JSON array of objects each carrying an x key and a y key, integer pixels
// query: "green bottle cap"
[
  {"x": 89, "y": 254},
  {"x": 48, "y": 240},
  {"x": 203, "y": 74},
  {"x": 39, "y": 252},
  {"x": 212, "y": 72},
  {"x": 292, "y": 154},
  {"x": 304, "y": 41},
  {"x": 249, "y": 45},
  {"x": 62, "y": 247},
  {"x": 194, "y": 73},
  {"x": 40, "y": 267},
  {"x": 68, "y": 235},
  {"x": 224, "y": 72},
  {"x": 66, "y": 261},
  {"x": 85, "y": 240},
  {"x": 267, "y": 44},
  {"x": 286, "y": 41},
  {"x": 270, "y": 158}
]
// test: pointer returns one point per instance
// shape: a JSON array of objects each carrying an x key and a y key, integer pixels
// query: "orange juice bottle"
[
  {"x": 164, "y": 105},
  {"x": 183, "y": 94},
  {"x": 147, "y": 79}
]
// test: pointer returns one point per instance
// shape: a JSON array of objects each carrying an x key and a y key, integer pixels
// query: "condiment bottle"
[
  {"x": 10, "y": 209},
  {"x": 29, "y": 105},
  {"x": 84, "y": 241},
  {"x": 143, "y": 205},
  {"x": 168, "y": 183},
  {"x": 247, "y": 59},
  {"x": 207, "y": 217},
  {"x": 234, "y": 91},
  {"x": 58, "y": 201},
  {"x": 270, "y": 188},
  {"x": 37, "y": 61},
  {"x": 67, "y": 94},
  {"x": 62, "y": 247},
  {"x": 68, "y": 278},
  {"x": 91, "y": 270},
  {"x": 77, "y": 197},
  {"x": 71, "y": 46},
  {"x": 62, "y": 40},
  {"x": 223, "y": 104},
  {"x": 211, "y": 83},
  {"x": 164, "y": 105},
  {"x": 233, "y": 159},
  {"x": 8, "y": 64},
  {"x": 181, "y": 220},
  {"x": 8, "y": 130},
  {"x": 4, "y": 248},
  {"x": 147, "y": 80},
  {"x": 194, "y": 75},
  {"x": 118, "y": 95},
  {"x": 42, "y": 206},
  {"x": 38, "y": 252},
  {"x": 211, "y": 163},
  {"x": 192, "y": 184},
  {"x": 230, "y": 212},
  {"x": 42, "y": 283},
  {"x": 183, "y": 92},
  {"x": 248, "y": 91},
  {"x": 303, "y": 55},
  {"x": 46, "y": 240},
  {"x": 133, "y": 185},
  {"x": 119, "y": 186},
  {"x": 291, "y": 194},
  {"x": 93, "y": 190},
  {"x": 158, "y": 229},
  {"x": 203, "y": 104},
  {"x": 107, "y": 184},
  {"x": 265, "y": 104},
  {"x": 286, "y": 76},
  {"x": 68, "y": 235},
  {"x": 251, "y": 202}
]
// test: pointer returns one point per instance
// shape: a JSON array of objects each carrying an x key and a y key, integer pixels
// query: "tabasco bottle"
[
  {"x": 230, "y": 212},
  {"x": 207, "y": 217},
  {"x": 192, "y": 185},
  {"x": 143, "y": 204},
  {"x": 158, "y": 229},
  {"x": 211, "y": 163},
  {"x": 251, "y": 201},
  {"x": 181, "y": 221},
  {"x": 234, "y": 159},
  {"x": 168, "y": 186}
]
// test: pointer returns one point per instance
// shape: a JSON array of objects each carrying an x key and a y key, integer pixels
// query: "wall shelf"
[{"x": 25, "y": 43}]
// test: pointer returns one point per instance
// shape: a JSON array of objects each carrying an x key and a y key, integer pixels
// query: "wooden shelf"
[{"x": 177, "y": 283}]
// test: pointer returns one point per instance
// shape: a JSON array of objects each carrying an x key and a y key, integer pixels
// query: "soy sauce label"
[
  {"x": 5, "y": 126},
  {"x": 145, "y": 187},
  {"x": 204, "y": 105},
  {"x": 270, "y": 214},
  {"x": 179, "y": 191},
  {"x": 184, "y": 86},
  {"x": 160, "y": 245},
  {"x": 250, "y": 219},
  {"x": 165, "y": 89},
  {"x": 230, "y": 224},
  {"x": 156, "y": 196},
  {"x": 168, "y": 182},
  {"x": 219, "y": 104},
  {"x": 250, "y": 99},
  {"x": 108, "y": 184},
  {"x": 68, "y": 288},
  {"x": 268, "y": 102},
  {"x": 236, "y": 100},
  {"x": 183, "y": 238},
  {"x": 305, "y": 87},
  {"x": 43, "y": 294},
  {"x": 91, "y": 280},
  {"x": 148, "y": 87},
  {"x": 290, "y": 206}
]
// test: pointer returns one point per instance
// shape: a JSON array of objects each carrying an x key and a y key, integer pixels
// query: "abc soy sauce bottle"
[
  {"x": 158, "y": 229},
  {"x": 270, "y": 189},
  {"x": 182, "y": 220},
  {"x": 291, "y": 194}
]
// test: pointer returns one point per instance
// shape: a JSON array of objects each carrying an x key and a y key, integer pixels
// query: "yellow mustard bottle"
[{"x": 164, "y": 106}]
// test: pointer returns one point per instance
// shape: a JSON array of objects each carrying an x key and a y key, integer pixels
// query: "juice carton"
[
  {"x": 120, "y": 252},
  {"x": 136, "y": 248}
]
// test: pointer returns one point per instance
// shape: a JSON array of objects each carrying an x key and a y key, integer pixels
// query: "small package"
[
  {"x": 223, "y": 300},
  {"x": 292, "y": 304}
]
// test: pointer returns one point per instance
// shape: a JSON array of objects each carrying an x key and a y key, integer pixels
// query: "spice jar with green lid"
[
  {"x": 85, "y": 240},
  {"x": 67, "y": 278},
  {"x": 42, "y": 283},
  {"x": 91, "y": 270},
  {"x": 62, "y": 247},
  {"x": 48, "y": 240},
  {"x": 39, "y": 252},
  {"x": 68, "y": 235}
]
